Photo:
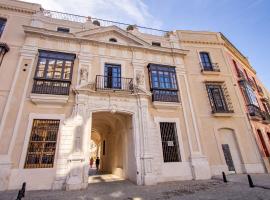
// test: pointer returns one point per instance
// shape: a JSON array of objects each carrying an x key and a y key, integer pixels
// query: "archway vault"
[{"x": 114, "y": 133}]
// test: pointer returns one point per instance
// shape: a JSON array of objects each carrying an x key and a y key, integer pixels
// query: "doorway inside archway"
[{"x": 112, "y": 144}]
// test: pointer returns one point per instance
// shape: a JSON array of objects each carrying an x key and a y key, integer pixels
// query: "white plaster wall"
[{"x": 36, "y": 179}]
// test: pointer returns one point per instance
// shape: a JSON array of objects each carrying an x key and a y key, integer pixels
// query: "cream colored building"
[{"x": 159, "y": 106}]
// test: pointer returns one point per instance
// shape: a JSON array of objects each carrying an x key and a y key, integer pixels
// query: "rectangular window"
[
  {"x": 169, "y": 141},
  {"x": 2, "y": 25},
  {"x": 104, "y": 148},
  {"x": 157, "y": 44},
  {"x": 63, "y": 30},
  {"x": 53, "y": 73},
  {"x": 249, "y": 93},
  {"x": 112, "y": 76},
  {"x": 163, "y": 83},
  {"x": 217, "y": 98},
  {"x": 42, "y": 144},
  {"x": 206, "y": 61}
]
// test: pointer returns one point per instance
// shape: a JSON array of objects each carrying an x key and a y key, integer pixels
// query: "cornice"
[
  {"x": 201, "y": 42},
  {"x": 18, "y": 9},
  {"x": 71, "y": 37}
]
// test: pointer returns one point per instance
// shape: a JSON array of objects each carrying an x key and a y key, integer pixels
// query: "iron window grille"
[
  {"x": 3, "y": 50},
  {"x": 170, "y": 145},
  {"x": 42, "y": 144},
  {"x": 53, "y": 73},
  {"x": 206, "y": 63},
  {"x": 219, "y": 97},
  {"x": 2, "y": 25},
  {"x": 163, "y": 83}
]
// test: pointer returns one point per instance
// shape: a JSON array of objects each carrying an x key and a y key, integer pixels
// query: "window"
[
  {"x": 2, "y": 25},
  {"x": 217, "y": 98},
  {"x": 104, "y": 148},
  {"x": 169, "y": 141},
  {"x": 112, "y": 76},
  {"x": 249, "y": 94},
  {"x": 53, "y": 73},
  {"x": 157, "y": 44},
  {"x": 206, "y": 62},
  {"x": 163, "y": 83},
  {"x": 42, "y": 144},
  {"x": 64, "y": 30},
  {"x": 265, "y": 150},
  {"x": 113, "y": 40}
]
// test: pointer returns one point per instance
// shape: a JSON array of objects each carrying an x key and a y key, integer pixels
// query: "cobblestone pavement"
[{"x": 183, "y": 190}]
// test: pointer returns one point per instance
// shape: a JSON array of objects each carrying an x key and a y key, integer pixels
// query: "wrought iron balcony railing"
[
  {"x": 165, "y": 95},
  {"x": 55, "y": 87},
  {"x": 254, "y": 111},
  {"x": 100, "y": 22},
  {"x": 114, "y": 83},
  {"x": 209, "y": 66},
  {"x": 265, "y": 117}
]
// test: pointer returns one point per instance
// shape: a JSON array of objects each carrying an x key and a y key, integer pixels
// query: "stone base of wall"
[{"x": 200, "y": 167}]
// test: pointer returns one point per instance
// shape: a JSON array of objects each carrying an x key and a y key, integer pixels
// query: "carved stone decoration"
[
  {"x": 83, "y": 75},
  {"x": 139, "y": 78}
]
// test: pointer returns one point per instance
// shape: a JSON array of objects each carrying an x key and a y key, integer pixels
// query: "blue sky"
[{"x": 245, "y": 22}]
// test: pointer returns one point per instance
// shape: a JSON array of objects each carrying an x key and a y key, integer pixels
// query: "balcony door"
[
  {"x": 206, "y": 61},
  {"x": 112, "y": 76}
]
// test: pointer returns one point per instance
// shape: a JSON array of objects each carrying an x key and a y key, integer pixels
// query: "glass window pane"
[
  {"x": 58, "y": 69},
  {"x": 50, "y": 69},
  {"x": 41, "y": 68}
]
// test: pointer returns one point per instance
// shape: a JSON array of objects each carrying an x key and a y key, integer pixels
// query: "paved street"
[{"x": 236, "y": 188}]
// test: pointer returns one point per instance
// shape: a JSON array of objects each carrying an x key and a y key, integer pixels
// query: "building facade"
[
  {"x": 256, "y": 98},
  {"x": 154, "y": 105}
]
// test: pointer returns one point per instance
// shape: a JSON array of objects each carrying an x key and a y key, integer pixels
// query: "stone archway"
[{"x": 117, "y": 151}]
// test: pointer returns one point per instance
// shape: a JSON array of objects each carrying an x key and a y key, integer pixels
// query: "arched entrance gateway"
[
  {"x": 117, "y": 126},
  {"x": 111, "y": 140}
]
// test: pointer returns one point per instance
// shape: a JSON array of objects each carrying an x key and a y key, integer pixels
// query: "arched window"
[
  {"x": 113, "y": 40},
  {"x": 266, "y": 152}
]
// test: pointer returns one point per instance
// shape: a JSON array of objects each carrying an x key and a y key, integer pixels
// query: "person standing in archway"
[
  {"x": 91, "y": 162},
  {"x": 97, "y": 163}
]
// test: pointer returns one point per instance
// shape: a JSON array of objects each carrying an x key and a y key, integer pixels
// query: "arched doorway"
[
  {"x": 230, "y": 150},
  {"x": 111, "y": 140}
]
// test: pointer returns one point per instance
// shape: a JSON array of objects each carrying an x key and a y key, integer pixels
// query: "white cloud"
[{"x": 128, "y": 11}]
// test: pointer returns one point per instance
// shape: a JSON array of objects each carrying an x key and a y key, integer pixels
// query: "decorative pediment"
[{"x": 104, "y": 34}]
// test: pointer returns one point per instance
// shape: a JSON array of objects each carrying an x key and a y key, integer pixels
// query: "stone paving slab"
[{"x": 182, "y": 190}]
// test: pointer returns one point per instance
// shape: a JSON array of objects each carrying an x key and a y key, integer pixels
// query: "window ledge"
[
  {"x": 210, "y": 72},
  {"x": 49, "y": 100},
  {"x": 229, "y": 114},
  {"x": 166, "y": 105}
]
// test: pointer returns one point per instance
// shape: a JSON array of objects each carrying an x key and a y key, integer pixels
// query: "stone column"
[
  {"x": 199, "y": 163},
  {"x": 72, "y": 160},
  {"x": 146, "y": 153}
]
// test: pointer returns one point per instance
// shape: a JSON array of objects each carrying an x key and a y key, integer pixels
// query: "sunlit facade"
[{"x": 154, "y": 105}]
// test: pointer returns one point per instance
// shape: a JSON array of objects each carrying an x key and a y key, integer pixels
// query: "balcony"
[
  {"x": 209, "y": 68},
  {"x": 109, "y": 83},
  {"x": 53, "y": 93},
  {"x": 255, "y": 112},
  {"x": 54, "y": 87},
  {"x": 265, "y": 117},
  {"x": 165, "y": 95}
]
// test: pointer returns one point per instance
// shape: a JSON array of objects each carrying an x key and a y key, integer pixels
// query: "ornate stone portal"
[{"x": 72, "y": 164}]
